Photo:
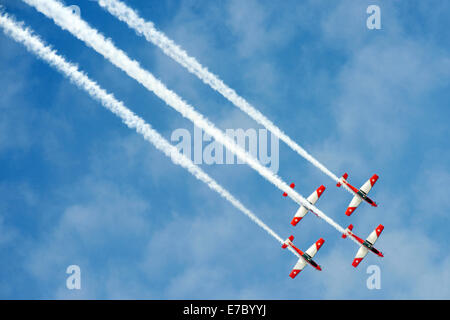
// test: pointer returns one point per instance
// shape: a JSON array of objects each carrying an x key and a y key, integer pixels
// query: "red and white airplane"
[
  {"x": 360, "y": 195},
  {"x": 305, "y": 257},
  {"x": 366, "y": 245},
  {"x": 312, "y": 199}
]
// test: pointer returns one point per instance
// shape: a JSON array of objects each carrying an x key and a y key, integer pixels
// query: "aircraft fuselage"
[
  {"x": 361, "y": 194},
  {"x": 306, "y": 257},
  {"x": 366, "y": 244}
]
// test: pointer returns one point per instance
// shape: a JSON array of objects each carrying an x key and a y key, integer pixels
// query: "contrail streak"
[
  {"x": 36, "y": 46},
  {"x": 124, "y": 13},
  {"x": 63, "y": 17}
]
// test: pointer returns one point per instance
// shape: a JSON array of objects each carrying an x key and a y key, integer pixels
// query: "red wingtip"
[
  {"x": 373, "y": 179},
  {"x": 356, "y": 262},
  {"x": 349, "y": 211},
  {"x": 379, "y": 229},
  {"x": 381, "y": 255},
  {"x": 294, "y": 273},
  {"x": 319, "y": 243},
  {"x": 320, "y": 190},
  {"x": 295, "y": 221},
  {"x": 319, "y": 268}
]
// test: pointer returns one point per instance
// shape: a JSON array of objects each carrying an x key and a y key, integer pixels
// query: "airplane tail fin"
[
  {"x": 349, "y": 228},
  {"x": 344, "y": 177}
]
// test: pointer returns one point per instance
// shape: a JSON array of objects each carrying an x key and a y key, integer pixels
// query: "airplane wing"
[
  {"x": 369, "y": 184},
  {"x": 356, "y": 201},
  {"x": 313, "y": 197},
  {"x": 362, "y": 252},
  {"x": 315, "y": 247},
  {"x": 301, "y": 263},
  {"x": 302, "y": 211},
  {"x": 372, "y": 238}
]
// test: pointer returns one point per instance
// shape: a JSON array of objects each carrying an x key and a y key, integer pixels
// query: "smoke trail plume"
[
  {"x": 63, "y": 17},
  {"x": 35, "y": 45},
  {"x": 124, "y": 13}
]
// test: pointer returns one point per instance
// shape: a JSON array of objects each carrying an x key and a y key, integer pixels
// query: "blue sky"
[{"x": 78, "y": 187}]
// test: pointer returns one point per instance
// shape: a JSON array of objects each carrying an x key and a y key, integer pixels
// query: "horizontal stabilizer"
[
  {"x": 344, "y": 177},
  {"x": 287, "y": 241},
  {"x": 292, "y": 186},
  {"x": 349, "y": 228}
]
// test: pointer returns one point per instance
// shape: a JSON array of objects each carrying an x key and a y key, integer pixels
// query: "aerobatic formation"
[
  {"x": 67, "y": 20},
  {"x": 366, "y": 245}
]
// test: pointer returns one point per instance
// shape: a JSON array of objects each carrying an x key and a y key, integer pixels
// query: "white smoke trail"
[
  {"x": 63, "y": 17},
  {"x": 44, "y": 52},
  {"x": 124, "y": 13}
]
